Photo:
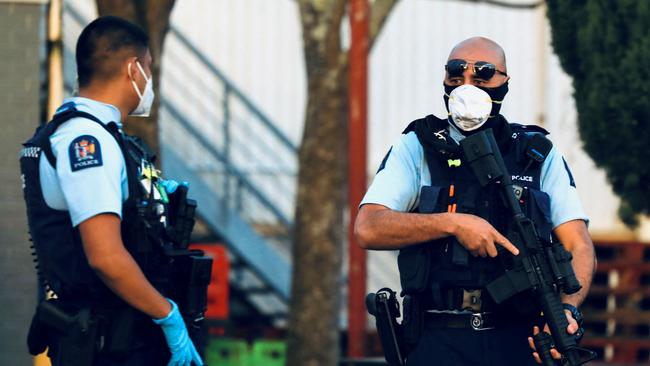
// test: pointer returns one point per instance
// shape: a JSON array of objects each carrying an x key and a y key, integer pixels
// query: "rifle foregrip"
[
  {"x": 557, "y": 321},
  {"x": 543, "y": 345}
]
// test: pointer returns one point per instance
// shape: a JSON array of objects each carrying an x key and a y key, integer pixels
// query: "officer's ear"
[{"x": 131, "y": 69}]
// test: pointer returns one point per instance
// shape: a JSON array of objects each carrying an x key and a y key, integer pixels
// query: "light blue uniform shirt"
[
  {"x": 397, "y": 185},
  {"x": 90, "y": 176}
]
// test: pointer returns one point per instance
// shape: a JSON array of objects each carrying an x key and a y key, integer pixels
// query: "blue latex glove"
[
  {"x": 179, "y": 342},
  {"x": 171, "y": 185}
]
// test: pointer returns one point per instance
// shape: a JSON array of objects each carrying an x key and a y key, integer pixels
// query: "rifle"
[
  {"x": 190, "y": 268},
  {"x": 543, "y": 267}
]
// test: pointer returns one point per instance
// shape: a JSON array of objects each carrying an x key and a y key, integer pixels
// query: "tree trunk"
[
  {"x": 154, "y": 17},
  {"x": 317, "y": 257},
  {"x": 322, "y": 177},
  {"x": 317, "y": 252}
]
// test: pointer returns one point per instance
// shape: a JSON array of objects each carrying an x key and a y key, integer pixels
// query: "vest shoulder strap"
[
  {"x": 66, "y": 113},
  {"x": 438, "y": 146},
  {"x": 516, "y": 127},
  {"x": 430, "y": 122},
  {"x": 530, "y": 144}
]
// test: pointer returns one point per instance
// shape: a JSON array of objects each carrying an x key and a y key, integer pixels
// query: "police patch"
[{"x": 84, "y": 152}]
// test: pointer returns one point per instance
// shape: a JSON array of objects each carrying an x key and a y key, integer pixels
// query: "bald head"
[{"x": 480, "y": 49}]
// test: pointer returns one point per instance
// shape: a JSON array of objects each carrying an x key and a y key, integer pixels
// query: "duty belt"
[{"x": 474, "y": 321}]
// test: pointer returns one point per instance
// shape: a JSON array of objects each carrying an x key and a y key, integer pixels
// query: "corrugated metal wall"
[{"x": 258, "y": 45}]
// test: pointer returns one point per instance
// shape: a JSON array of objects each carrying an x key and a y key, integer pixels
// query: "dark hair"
[{"x": 104, "y": 44}]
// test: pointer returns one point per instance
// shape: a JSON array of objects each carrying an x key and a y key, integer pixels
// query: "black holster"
[
  {"x": 71, "y": 335},
  {"x": 384, "y": 306}
]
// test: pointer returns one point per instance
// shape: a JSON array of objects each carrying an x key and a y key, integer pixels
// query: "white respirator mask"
[
  {"x": 469, "y": 107},
  {"x": 146, "y": 97}
]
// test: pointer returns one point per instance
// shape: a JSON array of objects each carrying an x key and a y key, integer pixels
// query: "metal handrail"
[
  {"x": 232, "y": 170},
  {"x": 235, "y": 91}
]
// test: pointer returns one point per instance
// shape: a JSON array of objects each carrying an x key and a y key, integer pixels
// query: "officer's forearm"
[
  {"x": 380, "y": 228},
  {"x": 114, "y": 265},
  {"x": 575, "y": 237},
  {"x": 122, "y": 275}
]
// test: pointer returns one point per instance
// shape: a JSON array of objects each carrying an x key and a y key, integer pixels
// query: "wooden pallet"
[{"x": 617, "y": 309}]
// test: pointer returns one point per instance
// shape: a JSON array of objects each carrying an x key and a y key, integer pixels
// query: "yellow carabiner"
[{"x": 453, "y": 162}]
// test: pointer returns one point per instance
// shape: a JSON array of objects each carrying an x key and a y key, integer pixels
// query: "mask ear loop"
[
  {"x": 135, "y": 86},
  {"x": 144, "y": 74}
]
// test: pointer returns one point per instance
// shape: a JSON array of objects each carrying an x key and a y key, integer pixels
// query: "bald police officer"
[{"x": 425, "y": 202}]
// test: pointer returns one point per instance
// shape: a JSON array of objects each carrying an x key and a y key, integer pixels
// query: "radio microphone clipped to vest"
[{"x": 537, "y": 150}]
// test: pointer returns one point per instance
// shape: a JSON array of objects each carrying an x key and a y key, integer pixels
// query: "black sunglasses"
[{"x": 482, "y": 69}]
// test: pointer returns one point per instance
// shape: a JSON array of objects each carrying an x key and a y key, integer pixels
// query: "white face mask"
[
  {"x": 146, "y": 97},
  {"x": 469, "y": 107}
]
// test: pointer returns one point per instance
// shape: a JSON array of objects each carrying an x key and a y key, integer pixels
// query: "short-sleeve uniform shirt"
[
  {"x": 90, "y": 176},
  {"x": 404, "y": 171}
]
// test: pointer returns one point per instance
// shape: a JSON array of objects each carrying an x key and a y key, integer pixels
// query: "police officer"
[
  {"x": 84, "y": 183},
  {"x": 449, "y": 231}
]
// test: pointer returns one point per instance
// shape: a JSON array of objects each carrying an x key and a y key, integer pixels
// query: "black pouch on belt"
[
  {"x": 413, "y": 319},
  {"x": 38, "y": 336},
  {"x": 120, "y": 327}
]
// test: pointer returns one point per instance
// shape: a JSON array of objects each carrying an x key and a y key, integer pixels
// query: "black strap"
[
  {"x": 56, "y": 122},
  {"x": 129, "y": 160}
]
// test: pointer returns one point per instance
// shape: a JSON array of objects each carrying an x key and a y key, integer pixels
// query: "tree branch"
[
  {"x": 334, "y": 25},
  {"x": 508, "y": 4},
  {"x": 381, "y": 9},
  {"x": 378, "y": 16}
]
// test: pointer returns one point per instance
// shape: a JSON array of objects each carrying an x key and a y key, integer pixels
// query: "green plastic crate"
[
  {"x": 227, "y": 352},
  {"x": 268, "y": 353}
]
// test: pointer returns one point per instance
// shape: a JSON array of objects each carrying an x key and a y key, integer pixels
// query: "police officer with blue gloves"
[
  {"x": 109, "y": 237},
  {"x": 450, "y": 231}
]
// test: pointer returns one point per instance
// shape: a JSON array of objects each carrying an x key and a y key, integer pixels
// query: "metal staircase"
[{"x": 241, "y": 169}]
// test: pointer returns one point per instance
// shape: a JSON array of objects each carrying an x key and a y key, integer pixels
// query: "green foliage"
[{"x": 605, "y": 46}]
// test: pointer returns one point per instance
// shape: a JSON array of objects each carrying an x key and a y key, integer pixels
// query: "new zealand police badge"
[{"x": 84, "y": 152}]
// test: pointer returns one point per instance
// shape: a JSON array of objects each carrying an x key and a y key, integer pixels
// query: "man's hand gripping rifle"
[{"x": 543, "y": 267}]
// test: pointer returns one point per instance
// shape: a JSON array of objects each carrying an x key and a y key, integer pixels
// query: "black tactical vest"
[
  {"x": 436, "y": 270},
  {"x": 62, "y": 263}
]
